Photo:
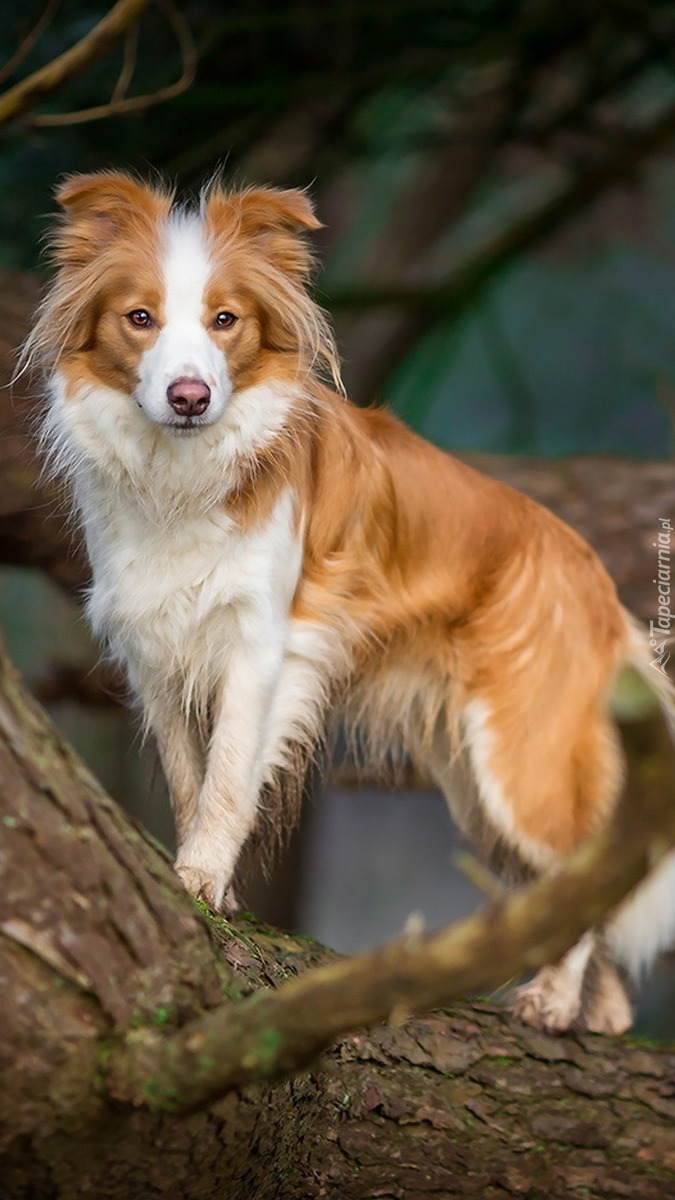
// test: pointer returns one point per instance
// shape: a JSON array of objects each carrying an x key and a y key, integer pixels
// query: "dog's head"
[{"x": 180, "y": 308}]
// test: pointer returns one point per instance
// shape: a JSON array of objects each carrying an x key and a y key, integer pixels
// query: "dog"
[{"x": 265, "y": 555}]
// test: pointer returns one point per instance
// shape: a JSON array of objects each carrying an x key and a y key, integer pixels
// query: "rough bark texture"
[{"x": 96, "y": 937}]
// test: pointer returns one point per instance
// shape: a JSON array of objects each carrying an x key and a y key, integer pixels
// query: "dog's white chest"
[{"x": 176, "y": 600}]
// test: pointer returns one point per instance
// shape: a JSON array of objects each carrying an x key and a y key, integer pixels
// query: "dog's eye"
[
  {"x": 225, "y": 320},
  {"x": 140, "y": 318}
]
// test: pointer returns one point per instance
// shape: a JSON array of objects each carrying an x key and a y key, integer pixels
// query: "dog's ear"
[
  {"x": 272, "y": 220},
  {"x": 98, "y": 207},
  {"x": 264, "y": 209}
]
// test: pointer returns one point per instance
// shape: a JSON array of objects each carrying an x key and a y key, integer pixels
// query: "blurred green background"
[{"x": 497, "y": 184}]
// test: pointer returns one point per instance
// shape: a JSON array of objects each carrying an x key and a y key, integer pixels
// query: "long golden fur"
[{"x": 444, "y": 614}]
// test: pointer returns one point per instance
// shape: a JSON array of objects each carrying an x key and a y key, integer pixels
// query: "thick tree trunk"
[{"x": 96, "y": 938}]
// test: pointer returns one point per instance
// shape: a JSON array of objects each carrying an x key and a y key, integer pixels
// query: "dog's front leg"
[
  {"x": 228, "y": 801},
  {"x": 183, "y": 761}
]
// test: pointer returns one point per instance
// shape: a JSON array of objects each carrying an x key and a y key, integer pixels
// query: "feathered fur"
[{"x": 268, "y": 553}]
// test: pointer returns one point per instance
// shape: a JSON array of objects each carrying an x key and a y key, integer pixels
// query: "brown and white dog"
[{"x": 263, "y": 553}]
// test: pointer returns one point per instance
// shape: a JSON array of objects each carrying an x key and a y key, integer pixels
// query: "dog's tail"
[{"x": 644, "y": 924}]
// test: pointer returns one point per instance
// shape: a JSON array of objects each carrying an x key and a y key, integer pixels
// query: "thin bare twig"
[
  {"x": 135, "y": 104},
  {"x": 128, "y": 63},
  {"x": 48, "y": 79},
  {"x": 24, "y": 48}
]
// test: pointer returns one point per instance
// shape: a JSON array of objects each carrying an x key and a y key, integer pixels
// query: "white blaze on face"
[{"x": 184, "y": 349}]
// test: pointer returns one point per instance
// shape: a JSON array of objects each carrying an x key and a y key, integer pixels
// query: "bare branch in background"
[
  {"x": 128, "y": 63},
  {"x": 31, "y": 39},
  {"x": 121, "y": 105},
  {"x": 92, "y": 47}
]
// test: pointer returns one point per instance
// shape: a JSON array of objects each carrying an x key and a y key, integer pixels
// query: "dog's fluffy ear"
[
  {"x": 99, "y": 206},
  {"x": 273, "y": 208},
  {"x": 109, "y": 193},
  {"x": 272, "y": 220}
]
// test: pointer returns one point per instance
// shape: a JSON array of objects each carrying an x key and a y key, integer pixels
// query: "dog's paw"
[
  {"x": 208, "y": 885},
  {"x": 231, "y": 905},
  {"x": 546, "y": 1003},
  {"x": 608, "y": 1009},
  {"x": 200, "y": 884}
]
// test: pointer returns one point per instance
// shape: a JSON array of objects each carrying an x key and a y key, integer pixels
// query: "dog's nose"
[{"x": 189, "y": 397}]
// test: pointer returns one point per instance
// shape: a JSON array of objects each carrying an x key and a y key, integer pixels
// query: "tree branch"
[
  {"x": 48, "y": 79},
  {"x": 274, "y": 1033},
  {"x": 128, "y": 63},
  {"x": 121, "y": 105},
  {"x": 31, "y": 39},
  {"x": 96, "y": 935}
]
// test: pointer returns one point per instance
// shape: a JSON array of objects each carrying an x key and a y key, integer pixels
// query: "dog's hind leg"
[
  {"x": 538, "y": 789},
  {"x": 545, "y": 796},
  {"x": 606, "y": 1006}
]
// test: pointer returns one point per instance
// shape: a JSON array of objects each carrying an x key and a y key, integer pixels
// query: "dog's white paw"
[
  {"x": 547, "y": 1003},
  {"x": 205, "y": 869},
  {"x": 201, "y": 884},
  {"x": 609, "y": 1009},
  {"x": 211, "y": 884},
  {"x": 230, "y": 904}
]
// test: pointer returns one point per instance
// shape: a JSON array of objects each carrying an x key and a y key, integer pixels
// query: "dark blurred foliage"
[
  {"x": 494, "y": 176},
  {"x": 314, "y": 69}
]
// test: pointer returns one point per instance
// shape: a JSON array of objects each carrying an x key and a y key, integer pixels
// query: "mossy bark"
[{"x": 96, "y": 937}]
